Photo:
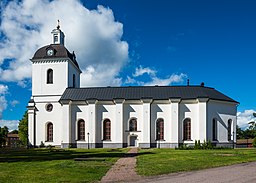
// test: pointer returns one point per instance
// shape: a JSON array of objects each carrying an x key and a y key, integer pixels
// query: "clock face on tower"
[{"x": 50, "y": 52}]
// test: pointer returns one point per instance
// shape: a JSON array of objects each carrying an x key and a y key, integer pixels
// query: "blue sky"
[{"x": 210, "y": 41}]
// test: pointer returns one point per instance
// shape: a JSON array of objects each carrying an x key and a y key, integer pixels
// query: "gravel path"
[
  {"x": 239, "y": 173},
  {"x": 124, "y": 169}
]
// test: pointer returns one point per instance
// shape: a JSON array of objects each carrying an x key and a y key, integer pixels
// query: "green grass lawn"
[
  {"x": 45, "y": 165},
  {"x": 163, "y": 161}
]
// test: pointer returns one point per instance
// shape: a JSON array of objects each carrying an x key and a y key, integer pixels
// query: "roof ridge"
[{"x": 178, "y": 86}]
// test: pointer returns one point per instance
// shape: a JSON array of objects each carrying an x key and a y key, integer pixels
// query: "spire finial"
[{"x": 58, "y": 25}]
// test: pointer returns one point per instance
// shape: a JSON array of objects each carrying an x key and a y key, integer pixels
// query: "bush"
[
  {"x": 254, "y": 142},
  {"x": 198, "y": 145},
  {"x": 41, "y": 145}
]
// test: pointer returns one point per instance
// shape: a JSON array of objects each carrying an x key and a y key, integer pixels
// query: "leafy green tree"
[
  {"x": 23, "y": 129},
  {"x": 3, "y": 134},
  {"x": 252, "y": 125},
  {"x": 14, "y": 132},
  {"x": 239, "y": 133}
]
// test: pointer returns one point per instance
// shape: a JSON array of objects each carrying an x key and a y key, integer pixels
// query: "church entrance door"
[{"x": 133, "y": 140}]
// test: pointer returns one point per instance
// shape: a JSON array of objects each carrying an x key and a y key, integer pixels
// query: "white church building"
[{"x": 62, "y": 114}]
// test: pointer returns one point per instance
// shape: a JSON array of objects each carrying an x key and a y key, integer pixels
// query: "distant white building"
[{"x": 63, "y": 114}]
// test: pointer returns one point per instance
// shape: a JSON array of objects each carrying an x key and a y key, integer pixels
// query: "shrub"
[
  {"x": 41, "y": 145},
  {"x": 254, "y": 142},
  {"x": 198, "y": 145}
]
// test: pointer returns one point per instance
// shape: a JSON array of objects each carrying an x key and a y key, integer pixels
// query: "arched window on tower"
[
  {"x": 49, "y": 135},
  {"x": 74, "y": 80},
  {"x": 229, "y": 128},
  {"x": 81, "y": 129},
  {"x": 187, "y": 129},
  {"x": 55, "y": 38},
  {"x": 214, "y": 129},
  {"x": 106, "y": 129},
  {"x": 49, "y": 76},
  {"x": 133, "y": 124},
  {"x": 160, "y": 129}
]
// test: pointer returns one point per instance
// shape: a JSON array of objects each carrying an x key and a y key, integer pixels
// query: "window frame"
[
  {"x": 74, "y": 80},
  {"x": 106, "y": 129},
  {"x": 160, "y": 129},
  {"x": 214, "y": 130},
  {"x": 229, "y": 129},
  {"x": 81, "y": 130},
  {"x": 49, "y": 132},
  {"x": 133, "y": 127},
  {"x": 187, "y": 129},
  {"x": 49, "y": 76}
]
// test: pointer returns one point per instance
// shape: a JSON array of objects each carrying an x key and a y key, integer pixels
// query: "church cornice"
[{"x": 54, "y": 60}]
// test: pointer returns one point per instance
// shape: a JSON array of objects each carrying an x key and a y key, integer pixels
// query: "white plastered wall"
[
  {"x": 222, "y": 111},
  {"x": 189, "y": 109},
  {"x": 43, "y": 117},
  {"x": 162, "y": 111},
  {"x": 133, "y": 110}
]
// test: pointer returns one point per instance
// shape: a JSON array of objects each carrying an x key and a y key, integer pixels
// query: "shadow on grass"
[{"x": 61, "y": 154}]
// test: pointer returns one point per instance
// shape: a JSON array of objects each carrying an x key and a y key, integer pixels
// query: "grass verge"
[
  {"x": 164, "y": 161},
  {"x": 44, "y": 165}
]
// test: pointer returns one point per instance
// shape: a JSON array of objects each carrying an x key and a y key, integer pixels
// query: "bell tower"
[
  {"x": 57, "y": 35},
  {"x": 54, "y": 68}
]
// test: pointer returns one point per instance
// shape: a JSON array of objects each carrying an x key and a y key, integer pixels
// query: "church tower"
[{"x": 54, "y": 68}]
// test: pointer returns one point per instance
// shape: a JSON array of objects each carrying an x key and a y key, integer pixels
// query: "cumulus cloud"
[
  {"x": 14, "y": 103},
  {"x": 94, "y": 35},
  {"x": 153, "y": 78},
  {"x": 3, "y": 102},
  {"x": 139, "y": 71},
  {"x": 243, "y": 118},
  {"x": 11, "y": 124},
  {"x": 174, "y": 78}
]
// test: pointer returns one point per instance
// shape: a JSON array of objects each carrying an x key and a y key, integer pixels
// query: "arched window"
[
  {"x": 214, "y": 129},
  {"x": 160, "y": 129},
  {"x": 106, "y": 129},
  {"x": 81, "y": 129},
  {"x": 187, "y": 129},
  {"x": 133, "y": 124},
  {"x": 49, "y": 76},
  {"x": 74, "y": 80},
  {"x": 55, "y": 38},
  {"x": 49, "y": 132},
  {"x": 229, "y": 128}
]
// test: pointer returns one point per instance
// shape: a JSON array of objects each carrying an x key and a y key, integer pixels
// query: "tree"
[
  {"x": 23, "y": 129},
  {"x": 14, "y": 132},
  {"x": 3, "y": 135},
  {"x": 239, "y": 133}
]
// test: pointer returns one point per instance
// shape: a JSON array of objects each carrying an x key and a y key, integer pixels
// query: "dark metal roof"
[
  {"x": 140, "y": 92},
  {"x": 59, "y": 52}
]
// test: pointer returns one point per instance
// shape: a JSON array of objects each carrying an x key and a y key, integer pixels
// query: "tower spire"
[
  {"x": 58, "y": 24},
  {"x": 58, "y": 35}
]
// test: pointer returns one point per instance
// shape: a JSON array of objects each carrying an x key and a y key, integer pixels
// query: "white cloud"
[
  {"x": 130, "y": 80},
  {"x": 94, "y": 35},
  {"x": 174, "y": 78},
  {"x": 153, "y": 78},
  {"x": 3, "y": 102},
  {"x": 139, "y": 71},
  {"x": 244, "y": 117},
  {"x": 11, "y": 124},
  {"x": 14, "y": 103},
  {"x": 3, "y": 89}
]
